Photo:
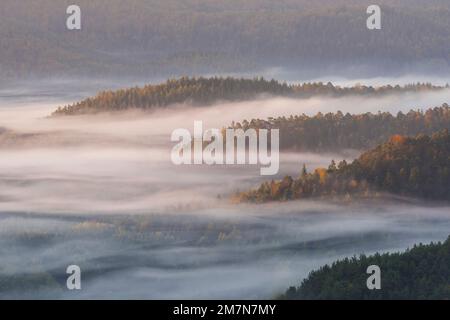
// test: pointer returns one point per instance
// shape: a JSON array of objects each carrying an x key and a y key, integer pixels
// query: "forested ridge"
[
  {"x": 338, "y": 131},
  {"x": 175, "y": 37},
  {"x": 407, "y": 166},
  {"x": 422, "y": 272},
  {"x": 204, "y": 91}
]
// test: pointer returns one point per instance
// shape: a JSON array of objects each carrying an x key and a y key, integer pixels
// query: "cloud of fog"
[
  {"x": 121, "y": 162},
  {"x": 121, "y": 179},
  {"x": 32, "y": 118},
  {"x": 228, "y": 252},
  {"x": 102, "y": 192}
]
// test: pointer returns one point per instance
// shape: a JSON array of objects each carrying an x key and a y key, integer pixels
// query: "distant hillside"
[
  {"x": 203, "y": 91},
  {"x": 417, "y": 167},
  {"x": 422, "y": 272},
  {"x": 174, "y": 37},
  {"x": 338, "y": 131}
]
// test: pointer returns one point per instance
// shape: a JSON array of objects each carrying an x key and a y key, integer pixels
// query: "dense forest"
[
  {"x": 202, "y": 91},
  {"x": 338, "y": 131},
  {"x": 417, "y": 167},
  {"x": 177, "y": 37},
  {"x": 422, "y": 272}
]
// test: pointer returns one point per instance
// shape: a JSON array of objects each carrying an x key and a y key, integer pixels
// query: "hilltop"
[
  {"x": 206, "y": 91},
  {"x": 179, "y": 37},
  {"x": 338, "y": 131},
  {"x": 408, "y": 166},
  {"x": 422, "y": 272}
]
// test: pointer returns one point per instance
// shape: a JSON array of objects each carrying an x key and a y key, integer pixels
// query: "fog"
[
  {"x": 381, "y": 80},
  {"x": 344, "y": 76},
  {"x": 100, "y": 192},
  {"x": 121, "y": 162},
  {"x": 229, "y": 252}
]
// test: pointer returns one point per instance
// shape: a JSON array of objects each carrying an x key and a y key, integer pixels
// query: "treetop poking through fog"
[
  {"x": 408, "y": 166},
  {"x": 339, "y": 131},
  {"x": 205, "y": 91}
]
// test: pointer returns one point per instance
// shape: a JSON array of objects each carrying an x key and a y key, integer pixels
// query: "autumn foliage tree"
[
  {"x": 417, "y": 167},
  {"x": 205, "y": 91}
]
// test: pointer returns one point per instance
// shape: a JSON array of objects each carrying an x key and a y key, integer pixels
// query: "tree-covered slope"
[
  {"x": 422, "y": 272},
  {"x": 203, "y": 91},
  {"x": 174, "y": 37},
  {"x": 183, "y": 90},
  {"x": 416, "y": 167},
  {"x": 338, "y": 131}
]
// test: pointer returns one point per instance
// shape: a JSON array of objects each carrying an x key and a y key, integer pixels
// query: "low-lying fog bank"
[
  {"x": 101, "y": 192},
  {"x": 221, "y": 252}
]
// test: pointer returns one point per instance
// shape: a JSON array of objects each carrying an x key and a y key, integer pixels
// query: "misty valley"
[
  {"x": 209, "y": 253},
  {"x": 363, "y": 169}
]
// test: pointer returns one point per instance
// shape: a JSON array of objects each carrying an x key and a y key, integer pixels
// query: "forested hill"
[
  {"x": 422, "y": 272},
  {"x": 204, "y": 91},
  {"x": 338, "y": 131},
  {"x": 178, "y": 37},
  {"x": 416, "y": 167}
]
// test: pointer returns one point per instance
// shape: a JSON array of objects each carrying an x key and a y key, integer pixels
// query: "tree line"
[
  {"x": 422, "y": 272},
  {"x": 204, "y": 91},
  {"x": 408, "y": 166},
  {"x": 174, "y": 37},
  {"x": 338, "y": 131}
]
